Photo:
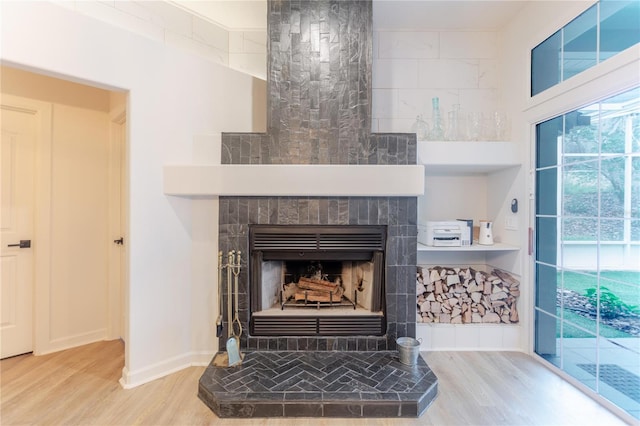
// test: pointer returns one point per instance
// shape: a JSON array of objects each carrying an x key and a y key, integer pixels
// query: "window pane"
[
  {"x": 635, "y": 187},
  {"x": 546, "y": 240},
  {"x": 615, "y": 121},
  {"x": 635, "y": 230},
  {"x": 579, "y": 353},
  {"x": 612, "y": 184},
  {"x": 545, "y": 338},
  {"x": 581, "y": 135},
  {"x": 611, "y": 229},
  {"x": 547, "y": 285},
  {"x": 547, "y": 197},
  {"x": 619, "y": 367},
  {"x": 580, "y": 187},
  {"x": 624, "y": 297},
  {"x": 547, "y": 146},
  {"x": 635, "y": 124},
  {"x": 619, "y": 26},
  {"x": 580, "y": 43},
  {"x": 545, "y": 64},
  {"x": 577, "y": 229}
]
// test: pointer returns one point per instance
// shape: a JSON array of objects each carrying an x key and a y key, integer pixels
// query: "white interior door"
[
  {"x": 117, "y": 221},
  {"x": 18, "y": 155}
]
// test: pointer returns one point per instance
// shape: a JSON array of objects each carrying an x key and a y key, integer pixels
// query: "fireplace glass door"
[{"x": 317, "y": 280}]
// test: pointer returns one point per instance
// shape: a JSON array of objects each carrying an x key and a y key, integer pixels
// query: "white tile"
[
  {"x": 135, "y": 8},
  {"x": 374, "y": 125},
  {"x": 121, "y": 19},
  {"x": 395, "y": 125},
  {"x": 385, "y": 103},
  {"x": 424, "y": 332},
  {"x": 254, "y": 64},
  {"x": 236, "y": 42},
  {"x": 408, "y": 44},
  {"x": 193, "y": 46},
  {"x": 512, "y": 337},
  {"x": 255, "y": 42},
  {"x": 469, "y": 45},
  {"x": 467, "y": 337},
  {"x": 481, "y": 100},
  {"x": 398, "y": 73},
  {"x": 376, "y": 44},
  {"x": 490, "y": 337},
  {"x": 414, "y": 102},
  {"x": 488, "y": 74},
  {"x": 448, "y": 73},
  {"x": 169, "y": 17},
  {"x": 443, "y": 337},
  {"x": 210, "y": 34}
]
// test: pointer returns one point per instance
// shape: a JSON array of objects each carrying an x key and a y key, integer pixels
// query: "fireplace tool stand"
[{"x": 232, "y": 356}]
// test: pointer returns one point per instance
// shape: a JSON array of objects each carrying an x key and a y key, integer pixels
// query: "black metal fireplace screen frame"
[{"x": 317, "y": 243}]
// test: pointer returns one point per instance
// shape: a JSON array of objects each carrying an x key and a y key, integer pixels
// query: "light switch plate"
[{"x": 511, "y": 223}]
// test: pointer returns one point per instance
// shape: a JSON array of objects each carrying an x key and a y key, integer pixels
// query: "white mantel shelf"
[
  {"x": 455, "y": 157},
  {"x": 294, "y": 180}
]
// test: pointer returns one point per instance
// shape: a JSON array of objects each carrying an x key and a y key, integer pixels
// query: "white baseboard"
[
  {"x": 69, "y": 342},
  {"x": 132, "y": 379},
  {"x": 470, "y": 337}
]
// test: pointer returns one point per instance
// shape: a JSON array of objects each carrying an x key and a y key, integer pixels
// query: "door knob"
[
  {"x": 21, "y": 244},
  {"x": 119, "y": 241}
]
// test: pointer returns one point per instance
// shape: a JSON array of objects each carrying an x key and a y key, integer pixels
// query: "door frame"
[{"x": 42, "y": 227}]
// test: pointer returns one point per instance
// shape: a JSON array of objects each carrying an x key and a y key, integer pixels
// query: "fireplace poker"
[
  {"x": 233, "y": 341},
  {"x": 220, "y": 306},
  {"x": 235, "y": 268}
]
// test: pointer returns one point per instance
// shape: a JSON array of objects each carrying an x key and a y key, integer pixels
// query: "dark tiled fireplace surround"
[{"x": 319, "y": 95}]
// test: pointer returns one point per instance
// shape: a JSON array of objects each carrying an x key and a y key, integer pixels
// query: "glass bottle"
[
  {"x": 437, "y": 131},
  {"x": 453, "y": 129},
  {"x": 422, "y": 129}
]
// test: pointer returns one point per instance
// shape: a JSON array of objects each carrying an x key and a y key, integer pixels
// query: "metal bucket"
[{"x": 408, "y": 350}]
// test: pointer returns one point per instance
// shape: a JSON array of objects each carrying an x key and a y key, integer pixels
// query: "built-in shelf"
[
  {"x": 471, "y": 248},
  {"x": 456, "y": 157}
]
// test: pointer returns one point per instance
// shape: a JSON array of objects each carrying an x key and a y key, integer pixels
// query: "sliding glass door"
[{"x": 587, "y": 246}]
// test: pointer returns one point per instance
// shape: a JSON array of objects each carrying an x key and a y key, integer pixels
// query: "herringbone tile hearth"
[{"x": 319, "y": 384}]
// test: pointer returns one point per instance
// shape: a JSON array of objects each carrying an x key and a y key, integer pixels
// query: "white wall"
[{"x": 173, "y": 96}]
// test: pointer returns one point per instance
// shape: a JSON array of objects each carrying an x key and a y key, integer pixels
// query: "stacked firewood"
[
  {"x": 464, "y": 295},
  {"x": 317, "y": 290}
]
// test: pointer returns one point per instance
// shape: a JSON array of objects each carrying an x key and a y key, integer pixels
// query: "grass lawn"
[
  {"x": 624, "y": 284},
  {"x": 588, "y": 324}
]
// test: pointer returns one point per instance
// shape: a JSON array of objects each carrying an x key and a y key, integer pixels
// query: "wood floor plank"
[{"x": 80, "y": 387}]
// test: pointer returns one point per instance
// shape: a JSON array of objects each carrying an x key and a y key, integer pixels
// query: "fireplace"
[
  {"x": 319, "y": 113},
  {"x": 317, "y": 280},
  {"x": 358, "y": 251}
]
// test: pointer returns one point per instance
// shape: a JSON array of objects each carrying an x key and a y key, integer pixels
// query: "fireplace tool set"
[{"x": 232, "y": 356}]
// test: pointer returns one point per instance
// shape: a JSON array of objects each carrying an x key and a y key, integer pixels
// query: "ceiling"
[{"x": 244, "y": 15}]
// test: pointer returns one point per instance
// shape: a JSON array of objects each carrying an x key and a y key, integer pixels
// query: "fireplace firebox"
[{"x": 317, "y": 280}]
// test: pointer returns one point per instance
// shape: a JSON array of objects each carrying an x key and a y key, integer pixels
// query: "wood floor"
[{"x": 80, "y": 387}]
